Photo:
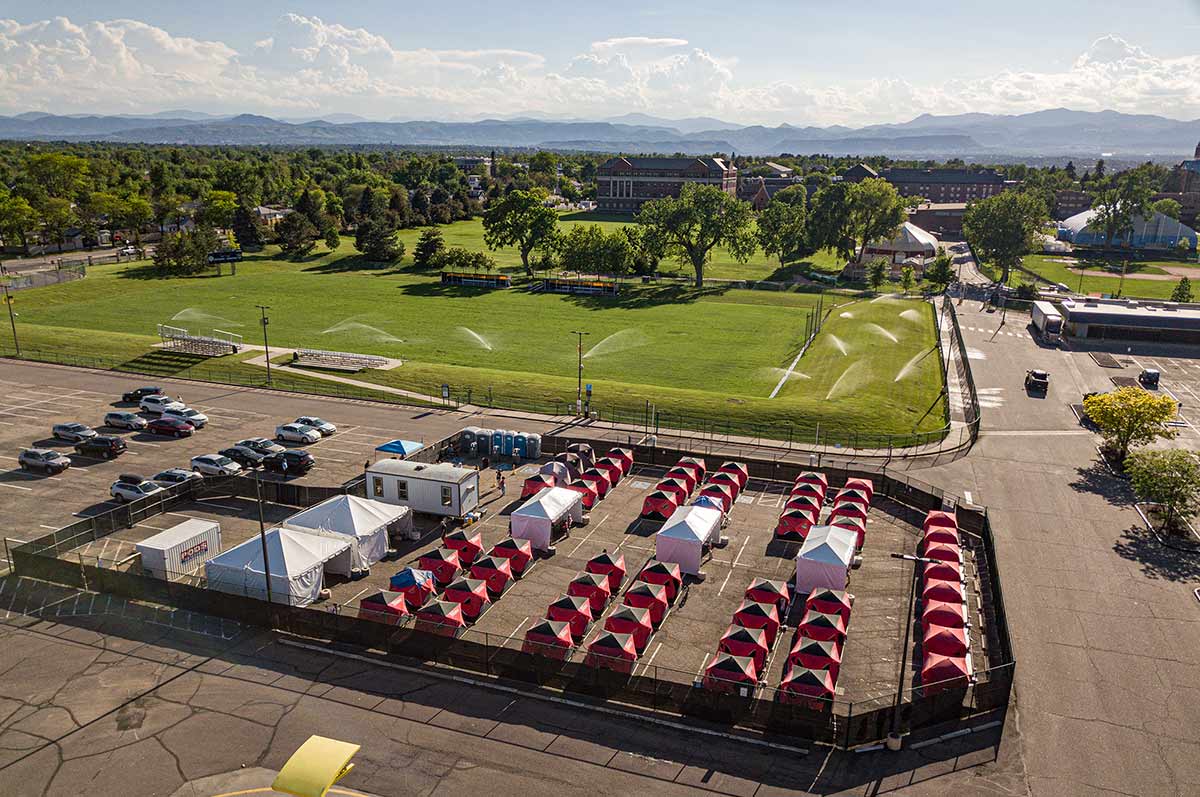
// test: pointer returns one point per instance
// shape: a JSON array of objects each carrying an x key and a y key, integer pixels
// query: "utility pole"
[
  {"x": 262, "y": 536},
  {"x": 894, "y": 736},
  {"x": 579, "y": 385},
  {"x": 267, "y": 349},
  {"x": 12, "y": 319}
]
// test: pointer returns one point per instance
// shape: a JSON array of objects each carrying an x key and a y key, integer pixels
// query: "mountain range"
[{"x": 1057, "y": 132}]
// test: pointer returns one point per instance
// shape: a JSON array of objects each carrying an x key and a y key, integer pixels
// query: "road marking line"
[
  {"x": 517, "y": 630},
  {"x": 967, "y": 495},
  {"x": 17, "y": 487},
  {"x": 650, "y": 660}
]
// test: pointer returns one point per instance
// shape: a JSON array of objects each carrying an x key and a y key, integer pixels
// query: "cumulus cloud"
[{"x": 305, "y": 64}]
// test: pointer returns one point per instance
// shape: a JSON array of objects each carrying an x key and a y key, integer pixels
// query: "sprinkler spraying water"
[{"x": 476, "y": 337}]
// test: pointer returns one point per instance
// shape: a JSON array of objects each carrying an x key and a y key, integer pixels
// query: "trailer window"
[
  {"x": 377, "y": 486},
  {"x": 447, "y": 496},
  {"x": 401, "y": 490}
]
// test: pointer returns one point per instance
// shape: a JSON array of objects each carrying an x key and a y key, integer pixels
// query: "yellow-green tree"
[
  {"x": 1130, "y": 416},
  {"x": 1170, "y": 479}
]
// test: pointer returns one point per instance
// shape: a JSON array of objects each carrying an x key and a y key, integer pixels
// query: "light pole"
[
  {"x": 894, "y": 736},
  {"x": 12, "y": 319},
  {"x": 579, "y": 385},
  {"x": 262, "y": 536},
  {"x": 267, "y": 349}
]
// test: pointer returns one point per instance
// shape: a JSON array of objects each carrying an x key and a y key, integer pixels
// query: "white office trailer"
[
  {"x": 434, "y": 489},
  {"x": 365, "y": 523},
  {"x": 551, "y": 508},
  {"x": 298, "y": 560},
  {"x": 181, "y": 549}
]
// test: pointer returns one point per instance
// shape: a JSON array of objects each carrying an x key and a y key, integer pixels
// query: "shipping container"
[{"x": 181, "y": 549}]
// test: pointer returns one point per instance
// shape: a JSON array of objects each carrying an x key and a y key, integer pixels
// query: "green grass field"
[
  {"x": 1098, "y": 279},
  {"x": 716, "y": 353}
]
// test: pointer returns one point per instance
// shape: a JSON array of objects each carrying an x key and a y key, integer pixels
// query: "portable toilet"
[
  {"x": 467, "y": 438},
  {"x": 483, "y": 442},
  {"x": 497, "y": 442},
  {"x": 534, "y": 447},
  {"x": 521, "y": 445},
  {"x": 509, "y": 438}
]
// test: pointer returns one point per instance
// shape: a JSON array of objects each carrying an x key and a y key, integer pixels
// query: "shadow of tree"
[
  {"x": 438, "y": 289},
  {"x": 633, "y": 297},
  {"x": 1096, "y": 479},
  {"x": 161, "y": 361},
  {"x": 351, "y": 263},
  {"x": 149, "y": 272},
  {"x": 1138, "y": 544}
]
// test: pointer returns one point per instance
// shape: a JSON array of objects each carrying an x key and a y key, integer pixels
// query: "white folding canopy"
[
  {"x": 536, "y": 518},
  {"x": 363, "y": 522},
  {"x": 683, "y": 537},
  {"x": 824, "y": 559},
  {"x": 297, "y": 561}
]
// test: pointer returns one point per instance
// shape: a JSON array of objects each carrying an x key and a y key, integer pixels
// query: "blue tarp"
[
  {"x": 410, "y": 577},
  {"x": 404, "y": 448}
]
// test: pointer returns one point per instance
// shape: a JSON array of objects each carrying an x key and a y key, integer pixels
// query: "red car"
[{"x": 172, "y": 427}]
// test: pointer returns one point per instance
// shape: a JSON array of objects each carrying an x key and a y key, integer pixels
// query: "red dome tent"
[
  {"x": 728, "y": 673},
  {"x": 806, "y": 685},
  {"x": 598, "y": 479},
  {"x": 444, "y": 618},
  {"x": 814, "y": 478},
  {"x": 939, "y": 673},
  {"x": 536, "y": 483},
  {"x": 848, "y": 509},
  {"x": 415, "y": 585},
  {"x": 594, "y": 587},
  {"x": 573, "y": 610},
  {"x": 651, "y": 597},
  {"x": 940, "y": 535},
  {"x": 559, "y": 470},
  {"x": 945, "y": 591},
  {"x": 741, "y": 641},
  {"x": 808, "y": 503},
  {"x": 721, "y": 477},
  {"x": 659, "y": 505},
  {"x": 758, "y": 615},
  {"x": 386, "y": 607},
  {"x": 945, "y": 641},
  {"x": 937, "y": 518},
  {"x": 854, "y": 523},
  {"x": 830, "y": 601},
  {"x": 810, "y": 489},
  {"x": 795, "y": 523},
  {"x": 942, "y": 571},
  {"x": 698, "y": 466},
  {"x": 443, "y": 563},
  {"x": 611, "y": 565},
  {"x": 471, "y": 593},
  {"x": 468, "y": 544},
  {"x": 947, "y": 615},
  {"x": 676, "y": 487},
  {"x": 852, "y": 495},
  {"x": 612, "y": 651},
  {"x": 723, "y": 493},
  {"x": 945, "y": 553},
  {"x": 866, "y": 485},
  {"x": 611, "y": 468},
  {"x": 666, "y": 574},
  {"x": 624, "y": 456},
  {"x": 633, "y": 621},
  {"x": 587, "y": 490},
  {"x": 584, "y": 451},
  {"x": 684, "y": 474},
  {"x": 549, "y": 638},
  {"x": 736, "y": 469},
  {"x": 819, "y": 625},
  {"x": 495, "y": 571},
  {"x": 519, "y": 554},
  {"x": 762, "y": 590},
  {"x": 817, "y": 654}
]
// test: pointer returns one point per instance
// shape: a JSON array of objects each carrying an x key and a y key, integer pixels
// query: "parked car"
[
  {"x": 72, "y": 432},
  {"x": 320, "y": 424},
  {"x": 124, "y": 420},
  {"x": 131, "y": 487},
  {"x": 246, "y": 457},
  {"x": 156, "y": 405},
  {"x": 173, "y": 476},
  {"x": 296, "y": 433},
  {"x": 215, "y": 465},
  {"x": 260, "y": 444},
  {"x": 194, "y": 417},
  {"x": 131, "y": 251},
  {"x": 1149, "y": 378},
  {"x": 137, "y": 394},
  {"x": 103, "y": 446},
  {"x": 172, "y": 427},
  {"x": 43, "y": 459},
  {"x": 296, "y": 461},
  {"x": 1037, "y": 381}
]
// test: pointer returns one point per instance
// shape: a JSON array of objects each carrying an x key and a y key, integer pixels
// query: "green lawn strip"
[{"x": 1046, "y": 267}]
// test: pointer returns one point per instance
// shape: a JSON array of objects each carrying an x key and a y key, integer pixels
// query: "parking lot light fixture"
[
  {"x": 894, "y": 736},
  {"x": 266, "y": 348}
]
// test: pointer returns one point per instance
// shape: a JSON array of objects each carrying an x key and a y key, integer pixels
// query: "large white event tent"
[
  {"x": 825, "y": 558},
  {"x": 535, "y": 519},
  {"x": 297, "y": 560},
  {"x": 682, "y": 538},
  {"x": 363, "y": 522}
]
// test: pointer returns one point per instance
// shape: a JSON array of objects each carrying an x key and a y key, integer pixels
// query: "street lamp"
[
  {"x": 894, "y": 736},
  {"x": 262, "y": 536},
  {"x": 579, "y": 386},
  {"x": 12, "y": 319},
  {"x": 267, "y": 349}
]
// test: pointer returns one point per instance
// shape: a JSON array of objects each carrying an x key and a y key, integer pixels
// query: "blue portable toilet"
[
  {"x": 521, "y": 445},
  {"x": 483, "y": 443},
  {"x": 533, "y": 446},
  {"x": 467, "y": 438},
  {"x": 497, "y": 441},
  {"x": 509, "y": 438}
]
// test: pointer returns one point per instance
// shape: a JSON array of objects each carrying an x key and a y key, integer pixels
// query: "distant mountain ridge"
[{"x": 1051, "y": 132}]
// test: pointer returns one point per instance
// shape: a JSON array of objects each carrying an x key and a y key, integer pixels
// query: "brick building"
[
  {"x": 939, "y": 186},
  {"x": 944, "y": 219},
  {"x": 1068, "y": 202},
  {"x": 623, "y": 184}
]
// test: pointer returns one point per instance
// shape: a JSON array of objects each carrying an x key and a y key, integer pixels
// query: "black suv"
[
  {"x": 1037, "y": 381},
  {"x": 246, "y": 457},
  {"x": 297, "y": 461},
  {"x": 104, "y": 447},
  {"x": 134, "y": 396}
]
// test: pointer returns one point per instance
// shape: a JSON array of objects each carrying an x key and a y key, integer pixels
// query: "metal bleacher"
[
  {"x": 218, "y": 344},
  {"x": 338, "y": 360}
]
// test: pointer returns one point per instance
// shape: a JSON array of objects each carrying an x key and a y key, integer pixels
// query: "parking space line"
[
  {"x": 140, "y": 443},
  {"x": 338, "y": 450},
  {"x": 17, "y": 487}
]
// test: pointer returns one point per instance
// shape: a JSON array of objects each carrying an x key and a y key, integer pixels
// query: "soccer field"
[{"x": 719, "y": 353}]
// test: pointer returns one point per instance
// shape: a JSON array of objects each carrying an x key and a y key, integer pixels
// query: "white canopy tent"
[
  {"x": 910, "y": 241},
  {"x": 535, "y": 519},
  {"x": 297, "y": 560},
  {"x": 683, "y": 537},
  {"x": 363, "y": 522},
  {"x": 824, "y": 559}
]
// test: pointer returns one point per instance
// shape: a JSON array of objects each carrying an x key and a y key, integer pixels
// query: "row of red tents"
[
  {"x": 802, "y": 510},
  {"x": 743, "y": 649},
  {"x": 719, "y": 488},
  {"x": 815, "y": 656},
  {"x": 577, "y": 469},
  {"x": 945, "y": 646},
  {"x": 850, "y": 507}
]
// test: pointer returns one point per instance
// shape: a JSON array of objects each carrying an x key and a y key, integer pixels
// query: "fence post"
[{"x": 849, "y": 717}]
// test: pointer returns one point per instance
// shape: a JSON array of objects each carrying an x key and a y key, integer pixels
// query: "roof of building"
[
  {"x": 667, "y": 164},
  {"x": 943, "y": 206},
  {"x": 911, "y": 238},
  {"x": 779, "y": 167},
  {"x": 441, "y": 471},
  {"x": 1156, "y": 225},
  {"x": 1133, "y": 314},
  {"x": 943, "y": 176}
]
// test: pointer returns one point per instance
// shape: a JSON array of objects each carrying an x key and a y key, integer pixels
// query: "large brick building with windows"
[
  {"x": 937, "y": 185},
  {"x": 623, "y": 184}
]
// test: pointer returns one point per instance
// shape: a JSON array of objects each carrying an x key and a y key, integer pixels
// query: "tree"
[
  {"x": 877, "y": 211},
  {"x": 829, "y": 222},
  {"x": 781, "y": 225},
  {"x": 1118, "y": 205},
  {"x": 1001, "y": 228},
  {"x": 1168, "y": 207},
  {"x": 588, "y": 249},
  {"x": 184, "y": 253},
  {"x": 136, "y": 213},
  {"x": 1130, "y": 416},
  {"x": 246, "y": 229},
  {"x": 217, "y": 209},
  {"x": 940, "y": 272},
  {"x": 908, "y": 279},
  {"x": 701, "y": 218},
  {"x": 57, "y": 217},
  {"x": 877, "y": 274},
  {"x": 457, "y": 258},
  {"x": 17, "y": 219},
  {"x": 646, "y": 254},
  {"x": 376, "y": 239},
  {"x": 1183, "y": 291},
  {"x": 297, "y": 235},
  {"x": 429, "y": 246},
  {"x": 60, "y": 176},
  {"x": 1170, "y": 479},
  {"x": 521, "y": 220}
]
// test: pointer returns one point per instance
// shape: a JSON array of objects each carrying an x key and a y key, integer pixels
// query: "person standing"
[{"x": 501, "y": 479}]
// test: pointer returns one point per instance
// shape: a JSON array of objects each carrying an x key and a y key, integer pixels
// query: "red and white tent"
[
  {"x": 612, "y": 468},
  {"x": 815, "y": 478},
  {"x": 943, "y": 552},
  {"x": 384, "y": 607},
  {"x": 942, "y": 571},
  {"x": 572, "y": 462},
  {"x": 536, "y": 483},
  {"x": 575, "y": 611},
  {"x": 947, "y": 615},
  {"x": 444, "y": 618},
  {"x": 805, "y": 685},
  {"x": 612, "y": 652},
  {"x": 763, "y": 590},
  {"x": 854, "y": 523},
  {"x": 758, "y": 615},
  {"x": 594, "y": 587},
  {"x": 722, "y": 493},
  {"x": 587, "y": 490},
  {"x": 666, "y": 574},
  {"x": 809, "y": 503},
  {"x": 415, "y": 585},
  {"x": 469, "y": 544},
  {"x": 519, "y": 554},
  {"x": 851, "y": 509},
  {"x": 624, "y": 456},
  {"x": 940, "y": 519},
  {"x": 652, "y": 597},
  {"x": 633, "y": 621},
  {"x": 677, "y": 487},
  {"x": 852, "y": 495},
  {"x": 471, "y": 593},
  {"x": 585, "y": 453},
  {"x": 684, "y": 474},
  {"x": 737, "y": 470},
  {"x": 939, "y": 673},
  {"x": 866, "y": 485},
  {"x": 608, "y": 564},
  {"x": 945, "y": 641},
  {"x": 659, "y": 505},
  {"x": 817, "y": 654},
  {"x": 721, "y": 477},
  {"x": 729, "y": 673},
  {"x": 696, "y": 464},
  {"x": 822, "y": 625},
  {"x": 549, "y": 638},
  {"x": 945, "y": 591},
  {"x": 599, "y": 479},
  {"x": 559, "y": 470},
  {"x": 495, "y": 571},
  {"x": 940, "y": 535},
  {"x": 830, "y": 601},
  {"x": 816, "y": 491},
  {"x": 443, "y": 563},
  {"x": 795, "y": 523},
  {"x": 738, "y": 640}
]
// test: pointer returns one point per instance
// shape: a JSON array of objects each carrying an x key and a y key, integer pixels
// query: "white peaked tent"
[
  {"x": 683, "y": 537},
  {"x": 297, "y": 559},
  {"x": 363, "y": 522},
  {"x": 910, "y": 241},
  {"x": 824, "y": 559},
  {"x": 536, "y": 518}
]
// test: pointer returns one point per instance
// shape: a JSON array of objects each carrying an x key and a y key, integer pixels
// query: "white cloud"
[{"x": 626, "y": 43}]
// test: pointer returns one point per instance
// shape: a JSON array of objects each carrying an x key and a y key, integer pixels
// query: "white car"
[
  {"x": 194, "y": 417},
  {"x": 126, "y": 488},
  {"x": 215, "y": 465},
  {"x": 320, "y": 424},
  {"x": 157, "y": 405},
  {"x": 296, "y": 433},
  {"x": 75, "y": 432}
]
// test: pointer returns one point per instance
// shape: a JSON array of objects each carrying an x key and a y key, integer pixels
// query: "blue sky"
[{"x": 800, "y": 62}]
